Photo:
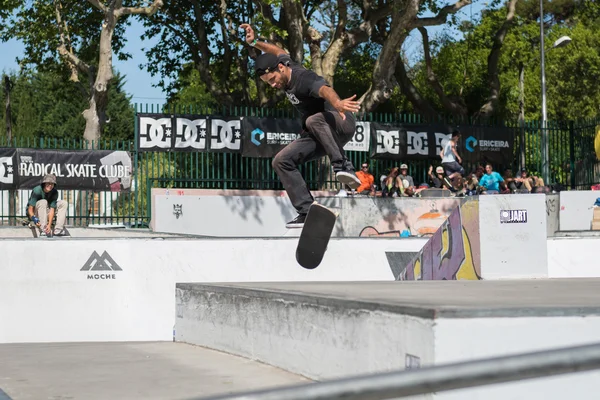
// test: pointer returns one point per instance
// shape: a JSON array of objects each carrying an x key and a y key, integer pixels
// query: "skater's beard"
[{"x": 276, "y": 79}]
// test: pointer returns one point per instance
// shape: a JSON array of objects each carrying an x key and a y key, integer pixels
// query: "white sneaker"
[{"x": 348, "y": 178}]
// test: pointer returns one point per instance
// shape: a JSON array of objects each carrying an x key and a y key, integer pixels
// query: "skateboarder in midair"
[{"x": 327, "y": 123}]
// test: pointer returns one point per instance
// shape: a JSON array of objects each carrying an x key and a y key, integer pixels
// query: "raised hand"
[
  {"x": 249, "y": 32},
  {"x": 348, "y": 105}
]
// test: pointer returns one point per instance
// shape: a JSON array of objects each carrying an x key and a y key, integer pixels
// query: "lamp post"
[
  {"x": 562, "y": 41},
  {"x": 545, "y": 157}
]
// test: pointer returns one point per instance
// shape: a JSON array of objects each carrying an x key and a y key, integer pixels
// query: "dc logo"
[
  {"x": 388, "y": 142},
  {"x": 6, "y": 170},
  {"x": 256, "y": 136},
  {"x": 190, "y": 134},
  {"x": 225, "y": 134},
  {"x": 155, "y": 133},
  {"x": 417, "y": 143},
  {"x": 470, "y": 143}
]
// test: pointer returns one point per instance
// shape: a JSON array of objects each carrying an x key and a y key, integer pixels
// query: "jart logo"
[
  {"x": 256, "y": 136},
  {"x": 470, "y": 143},
  {"x": 513, "y": 216}
]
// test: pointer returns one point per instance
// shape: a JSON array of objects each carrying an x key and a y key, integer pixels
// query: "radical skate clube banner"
[{"x": 95, "y": 170}]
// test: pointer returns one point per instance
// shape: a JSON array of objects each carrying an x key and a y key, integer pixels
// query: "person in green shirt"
[{"x": 43, "y": 204}]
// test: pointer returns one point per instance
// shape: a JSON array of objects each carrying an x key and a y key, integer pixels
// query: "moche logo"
[{"x": 104, "y": 263}]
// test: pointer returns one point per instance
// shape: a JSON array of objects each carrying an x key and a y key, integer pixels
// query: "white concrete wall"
[
  {"x": 573, "y": 257},
  {"x": 552, "y": 212},
  {"x": 459, "y": 340},
  {"x": 304, "y": 336},
  {"x": 265, "y": 213},
  {"x": 513, "y": 250},
  {"x": 227, "y": 216},
  {"x": 576, "y": 209},
  {"x": 45, "y": 297}
]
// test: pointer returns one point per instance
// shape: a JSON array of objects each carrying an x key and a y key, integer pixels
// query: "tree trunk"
[
  {"x": 522, "y": 113},
  {"x": 382, "y": 84},
  {"x": 421, "y": 104},
  {"x": 493, "y": 59},
  {"x": 452, "y": 107},
  {"x": 7, "y": 114},
  {"x": 95, "y": 115},
  {"x": 12, "y": 194}
]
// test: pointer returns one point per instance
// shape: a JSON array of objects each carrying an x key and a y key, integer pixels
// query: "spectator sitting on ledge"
[{"x": 491, "y": 182}]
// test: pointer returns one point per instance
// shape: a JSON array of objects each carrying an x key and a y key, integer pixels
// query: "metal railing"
[
  {"x": 573, "y": 163},
  {"x": 454, "y": 376}
]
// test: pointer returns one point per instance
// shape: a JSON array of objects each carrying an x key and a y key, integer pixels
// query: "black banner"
[
  {"x": 405, "y": 142},
  {"x": 388, "y": 141},
  {"x": 487, "y": 144},
  {"x": 225, "y": 134},
  {"x": 266, "y": 137},
  {"x": 162, "y": 132},
  {"x": 95, "y": 170},
  {"x": 7, "y": 168}
]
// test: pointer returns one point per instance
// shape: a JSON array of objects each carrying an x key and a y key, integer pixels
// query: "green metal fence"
[{"x": 573, "y": 164}]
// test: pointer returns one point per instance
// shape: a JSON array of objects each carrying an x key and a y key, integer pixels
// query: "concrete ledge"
[
  {"x": 328, "y": 330},
  {"x": 317, "y": 339}
]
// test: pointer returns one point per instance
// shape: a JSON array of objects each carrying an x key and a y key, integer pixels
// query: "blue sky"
[{"x": 139, "y": 82}]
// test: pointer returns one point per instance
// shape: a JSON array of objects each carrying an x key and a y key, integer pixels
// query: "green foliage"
[
  {"x": 571, "y": 72},
  {"x": 34, "y": 23},
  {"x": 47, "y": 105},
  {"x": 192, "y": 90},
  {"x": 150, "y": 166}
]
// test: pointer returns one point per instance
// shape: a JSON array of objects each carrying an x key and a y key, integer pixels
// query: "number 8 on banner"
[{"x": 360, "y": 140}]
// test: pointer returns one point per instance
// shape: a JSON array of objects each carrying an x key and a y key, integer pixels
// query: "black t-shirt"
[{"x": 303, "y": 90}]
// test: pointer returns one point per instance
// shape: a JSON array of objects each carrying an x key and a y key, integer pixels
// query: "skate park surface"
[{"x": 137, "y": 309}]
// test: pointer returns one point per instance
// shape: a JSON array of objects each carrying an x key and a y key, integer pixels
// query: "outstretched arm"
[
  {"x": 332, "y": 97},
  {"x": 262, "y": 46}
]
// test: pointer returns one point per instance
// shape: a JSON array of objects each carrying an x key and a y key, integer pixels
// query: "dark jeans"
[
  {"x": 452, "y": 167},
  {"x": 326, "y": 134}
]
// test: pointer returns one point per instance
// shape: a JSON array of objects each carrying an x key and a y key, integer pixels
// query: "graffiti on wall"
[
  {"x": 407, "y": 217},
  {"x": 551, "y": 205},
  {"x": 452, "y": 253}
]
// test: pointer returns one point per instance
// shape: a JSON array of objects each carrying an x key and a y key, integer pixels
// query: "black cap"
[{"x": 266, "y": 63}]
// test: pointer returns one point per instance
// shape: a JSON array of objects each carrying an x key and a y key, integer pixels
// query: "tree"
[
  {"x": 316, "y": 33},
  {"x": 46, "y": 105},
  {"x": 84, "y": 39}
]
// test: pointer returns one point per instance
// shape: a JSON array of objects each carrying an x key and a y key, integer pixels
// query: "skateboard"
[
  {"x": 315, "y": 235},
  {"x": 34, "y": 228}
]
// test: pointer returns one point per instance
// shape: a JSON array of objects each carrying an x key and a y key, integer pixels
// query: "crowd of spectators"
[{"x": 449, "y": 175}]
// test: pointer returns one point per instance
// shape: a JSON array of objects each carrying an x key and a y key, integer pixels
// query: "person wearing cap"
[
  {"x": 437, "y": 180},
  {"x": 367, "y": 180},
  {"x": 43, "y": 204},
  {"x": 406, "y": 183},
  {"x": 450, "y": 159},
  {"x": 524, "y": 183},
  {"x": 328, "y": 123}
]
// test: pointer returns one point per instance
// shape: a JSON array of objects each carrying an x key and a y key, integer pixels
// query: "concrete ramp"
[
  {"x": 123, "y": 289},
  {"x": 328, "y": 330},
  {"x": 489, "y": 237}
]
